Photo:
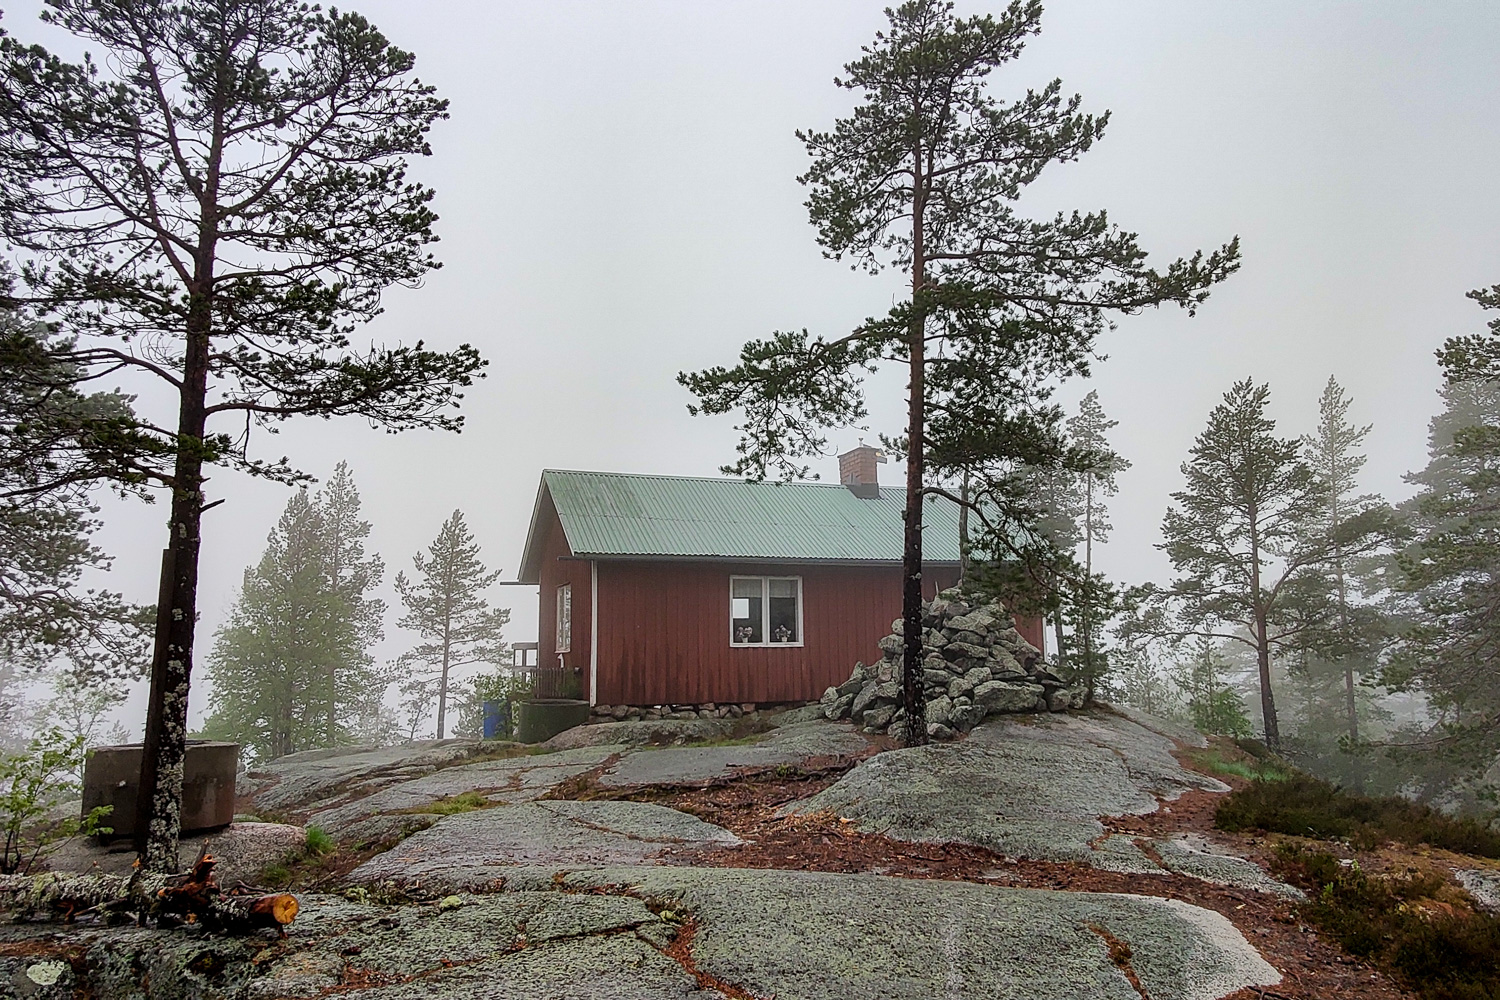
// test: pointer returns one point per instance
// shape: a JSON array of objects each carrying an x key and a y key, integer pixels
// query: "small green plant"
[
  {"x": 1308, "y": 807},
  {"x": 32, "y": 784},
  {"x": 1438, "y": 952},
  {"x": 319, "y": 841}
]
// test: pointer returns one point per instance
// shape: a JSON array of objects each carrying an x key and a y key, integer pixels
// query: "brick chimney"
[{"x": 857, "y": 471}]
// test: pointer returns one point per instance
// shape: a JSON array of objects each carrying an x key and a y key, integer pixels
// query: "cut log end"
[{"x": 281, "y": 908}]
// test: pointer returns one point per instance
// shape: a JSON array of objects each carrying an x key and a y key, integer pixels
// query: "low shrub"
[
  {"x": 1309, "y": 807},
  {"x": 1436, "y": 951}
]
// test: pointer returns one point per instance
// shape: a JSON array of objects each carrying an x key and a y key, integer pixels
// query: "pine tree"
[
  {"x": 56, "y": 444},
  {"x": 1239, "y": 536},
  {"x": 445, "y": 605},
  {"x": 215, "y": 200},
  {"x": 923, "y": 177}
]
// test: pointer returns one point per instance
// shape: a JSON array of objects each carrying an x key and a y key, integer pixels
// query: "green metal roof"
[{"x": 616, "y": 515}]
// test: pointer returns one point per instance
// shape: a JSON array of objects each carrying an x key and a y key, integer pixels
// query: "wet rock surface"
[
  {"x": 315, "y": 778},
  {"x": 1036, "y": 788},
  {"x": 477, "y": 849},
  {"x": 513, "y": 779},
  {"x": 243, "y": 851},
  {"x": 563, "y": 895},
  {"x": 787, "y": 746}
]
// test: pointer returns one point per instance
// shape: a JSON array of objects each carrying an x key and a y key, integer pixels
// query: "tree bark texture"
[
  {"x": 159, "y": 801},
  {"x": 913, "y": 698}
]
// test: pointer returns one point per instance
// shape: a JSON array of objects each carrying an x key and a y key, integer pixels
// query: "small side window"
[{"x": 565, "y": 618}]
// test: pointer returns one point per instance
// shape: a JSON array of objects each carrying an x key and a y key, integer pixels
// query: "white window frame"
[
  {"x": 564, "y": 618},
  {"x": 765, "y": 614}
]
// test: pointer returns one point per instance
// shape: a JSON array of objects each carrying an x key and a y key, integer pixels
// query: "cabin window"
[
  {"x": 565, "y": 618},
  {"x": 765, "y": 611}
]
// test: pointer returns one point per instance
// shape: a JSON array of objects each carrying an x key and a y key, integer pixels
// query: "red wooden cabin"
[{"x": 659, "y": 590}]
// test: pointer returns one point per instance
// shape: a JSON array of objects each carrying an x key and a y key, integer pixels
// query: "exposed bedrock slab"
[
  {"x": 789, "y": 745},
  {"x": 513, "y": 779},
  {"x": 243, "y": 851},
  {"x": 303, "y": 780},
  {"x": 822, "y": 936},
  {"x": 641, "y": 732},
  {"x": 1027, "y": 788},
  {"x": 476, "y": 850},
  {"x": 604, "y": 933},
  {"x": 1483, "y": 885}
]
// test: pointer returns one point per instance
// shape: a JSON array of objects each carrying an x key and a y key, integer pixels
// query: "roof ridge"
[{"x": 708, "y": 479}]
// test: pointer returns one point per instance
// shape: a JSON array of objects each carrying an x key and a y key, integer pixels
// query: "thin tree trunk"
[
  {"x": 963, "y": 528},
  {"x": 447, "y": 652},
  {"x": 1262, "y": 640},
  {"x": 913, "y": 699}
]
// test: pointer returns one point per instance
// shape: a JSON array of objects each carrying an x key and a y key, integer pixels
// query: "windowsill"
[{"x": 765, "y": 645}]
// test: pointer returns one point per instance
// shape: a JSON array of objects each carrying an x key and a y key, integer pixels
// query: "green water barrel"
[{"x": 540, "y": 719}]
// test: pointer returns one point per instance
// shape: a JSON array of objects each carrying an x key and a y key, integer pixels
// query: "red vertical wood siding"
[
  {"x": 664, "y": 631},
  {"x": 558, "y": 568}
]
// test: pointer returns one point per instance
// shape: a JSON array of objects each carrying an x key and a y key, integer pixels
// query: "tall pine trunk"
[
  {"x": 913, "y": 699},
  {"x": 158, "y": 819},
  {"x": 164, "y": 745}
]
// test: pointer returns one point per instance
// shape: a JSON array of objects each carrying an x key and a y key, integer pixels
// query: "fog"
[{"x": 618, "y": 200}]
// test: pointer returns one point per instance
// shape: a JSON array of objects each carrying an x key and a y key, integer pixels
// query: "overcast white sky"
[{"x": 618, "y": 202}]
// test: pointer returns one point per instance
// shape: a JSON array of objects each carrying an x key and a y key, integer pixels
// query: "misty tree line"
[
  {"x": 1356, "y": 635},
  {"x": 291, "y": 669}
]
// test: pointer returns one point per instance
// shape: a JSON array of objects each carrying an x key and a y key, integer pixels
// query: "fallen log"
[{"x": 191, "y": 898}]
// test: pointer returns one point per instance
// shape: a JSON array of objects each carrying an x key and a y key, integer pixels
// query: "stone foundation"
[{"x": 707, "y": 710}]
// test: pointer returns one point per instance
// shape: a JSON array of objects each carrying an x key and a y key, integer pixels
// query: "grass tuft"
[
  {"x": 1304, "y": 806},
  {"x": 319, "y": 841},
  {"x": 1264, "y": 769},
  {"x": 461, "y": 803}
]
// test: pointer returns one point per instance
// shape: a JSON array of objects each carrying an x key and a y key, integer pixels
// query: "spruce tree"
[
  {"x": 446, "y": 606},
  {"x": 1333, "y": 454},
  {"x": 215, "y": 201},
  {"x": 287, "y": 631},
  {"x": 1448, "y": 584},
  {"x": 353, "y": 689},
  {"x": 923, "y": 178},
  {"x": 291, "y": 669}
]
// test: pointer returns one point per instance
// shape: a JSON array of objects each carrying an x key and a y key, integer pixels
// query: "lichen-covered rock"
[
  {"x": 974, "y": 664},
  {"x": 1008, "y": 696}
]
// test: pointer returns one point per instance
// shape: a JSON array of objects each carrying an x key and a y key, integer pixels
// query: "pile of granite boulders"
[{"x": 974, "y": 664}]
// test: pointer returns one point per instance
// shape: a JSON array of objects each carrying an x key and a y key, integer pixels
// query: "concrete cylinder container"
[{"x": 112, "y": 778}]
